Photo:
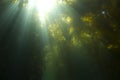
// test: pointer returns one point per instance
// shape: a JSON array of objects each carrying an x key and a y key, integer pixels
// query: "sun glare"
[
  {"x": 45, "y": 5},
  {"x": 42, "y": 6}
]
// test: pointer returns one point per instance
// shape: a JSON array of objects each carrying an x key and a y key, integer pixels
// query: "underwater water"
[{"x": 59, "y": 40}]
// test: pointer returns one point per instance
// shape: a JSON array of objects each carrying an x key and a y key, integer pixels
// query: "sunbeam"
[{"x": 42, "y": 6}]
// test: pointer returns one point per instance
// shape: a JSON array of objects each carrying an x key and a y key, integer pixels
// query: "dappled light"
[
  {"x": 67, "y": 19},
  {"x": 88, "y": 18},
  {"x": 56, "y": 32},
  {"x": 75, "y": 41}
]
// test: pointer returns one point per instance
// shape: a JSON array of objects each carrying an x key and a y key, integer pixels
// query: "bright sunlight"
[{"x": 42, "y": 6}]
